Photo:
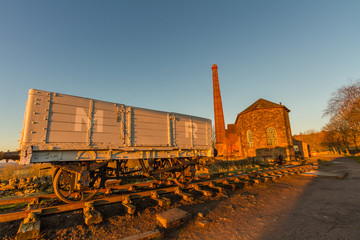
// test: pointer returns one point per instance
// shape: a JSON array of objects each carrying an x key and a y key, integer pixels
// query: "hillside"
[{"x": 314, "y": 139}]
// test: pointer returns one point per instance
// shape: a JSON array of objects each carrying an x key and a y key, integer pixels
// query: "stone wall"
[
  {"x": 232, "y": 140},
  {"x": 25, "y": 185},
  {"x": 257, "y": 121}
]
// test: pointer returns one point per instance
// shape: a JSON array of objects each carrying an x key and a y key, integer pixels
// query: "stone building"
[
  {"x": 302, "y": 149},
  {"x": 262, "y": 131}
]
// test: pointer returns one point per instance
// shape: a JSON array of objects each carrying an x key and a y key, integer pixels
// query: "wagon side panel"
[
  {"x": 79, "y": 125},
  {"x": 150, "y": 128},
  {"x": 56, "y": 119},
  {"x": 85, "y": 121},
  {"x": 192, "y": 132},
  {"x": 201, "y": 130},
  {"x": 36, "y": 118}
]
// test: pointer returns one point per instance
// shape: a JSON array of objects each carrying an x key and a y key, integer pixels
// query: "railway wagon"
[{"x": 90, "y": 141}]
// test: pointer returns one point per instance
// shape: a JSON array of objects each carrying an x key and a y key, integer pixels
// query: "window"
[
  {"x": 271, "y": 136},
  {"x": 249, "y": 138}
]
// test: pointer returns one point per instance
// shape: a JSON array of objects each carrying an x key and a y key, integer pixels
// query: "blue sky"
[{"x": 158, "y": 55}]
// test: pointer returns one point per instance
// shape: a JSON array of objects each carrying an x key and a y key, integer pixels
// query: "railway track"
[{"x": 207, "y": 185}]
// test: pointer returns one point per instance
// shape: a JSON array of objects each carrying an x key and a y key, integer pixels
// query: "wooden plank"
[{"x": 145, "y": 236}]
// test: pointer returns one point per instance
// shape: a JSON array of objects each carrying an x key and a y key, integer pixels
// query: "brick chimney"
[{"x": 219, "y": 115}]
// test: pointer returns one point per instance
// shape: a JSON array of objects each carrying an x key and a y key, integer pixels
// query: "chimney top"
[{"x": 214, "y": 66}]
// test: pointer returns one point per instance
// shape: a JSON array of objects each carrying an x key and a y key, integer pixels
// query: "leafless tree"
[
  {"x": 213, "y": 137},
  {"x": 346, "y": 100},
  {"x": 339, "y": 132},
  {"x": 331, "y": 140},
  {"x": 344, "y": 111}
]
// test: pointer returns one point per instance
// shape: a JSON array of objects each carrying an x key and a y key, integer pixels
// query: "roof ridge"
[{"x": 261, "y": 104}]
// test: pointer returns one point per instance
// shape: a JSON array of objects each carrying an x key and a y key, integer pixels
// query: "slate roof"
[{"x": 261, "y": 104}]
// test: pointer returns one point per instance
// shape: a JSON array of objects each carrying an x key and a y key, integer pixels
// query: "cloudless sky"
[{"x": 158, "y": 55}]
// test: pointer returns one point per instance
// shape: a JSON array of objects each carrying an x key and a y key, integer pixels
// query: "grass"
[
  {"x": 10, "y": 171},
  {"x": 12, "y": 206},
  {"x": 232, "y": 166}
]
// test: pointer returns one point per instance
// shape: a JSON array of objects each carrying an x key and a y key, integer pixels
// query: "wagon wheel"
[
  {"x": 185, "y": 175},
  {"x": 53, "y": 178},
  {"x": 54, "y": 173},
  {"x": 65, "y": 187},
  {"x": 162, "y": 164}
]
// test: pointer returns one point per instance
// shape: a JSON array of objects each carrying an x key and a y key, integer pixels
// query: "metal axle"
[{"x": 10, "y": 155}]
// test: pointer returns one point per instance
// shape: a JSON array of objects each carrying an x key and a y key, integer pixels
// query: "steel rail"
[
  {"x": 126, "y": 186},
  {"x": 46, "y": 196},
  {"x": 204, "y": 180}
]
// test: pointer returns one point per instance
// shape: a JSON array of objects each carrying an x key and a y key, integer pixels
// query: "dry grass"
[
  {"x": 232, "y": 166},
  {"x": 10, "y": 171}
]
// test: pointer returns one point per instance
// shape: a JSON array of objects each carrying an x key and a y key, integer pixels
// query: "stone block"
[
  {"x": 272, "y": 178},
  {"x": 91, "y": 215},
  {"x": 256, "y": 181},
  {"x": 220, "y": 189},
  {"x": 186, "y": 196},
  {"x": 247, "y": 183},
  {"x": 30, "y": 227},
  {"x": 173, "y": 217},
  {"x": 203, "y": 223},
  {"x": 206, "y": 193},
  {"x": 162, "y": 201},
  {"x": 130, "y": 209},
  {"x": 227, "y": 183},
  {"x": 265, "y": 179}
]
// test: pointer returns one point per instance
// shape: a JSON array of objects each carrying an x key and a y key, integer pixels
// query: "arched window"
[
  {"x": 271, "y": 136},
  {"x": 249, "y": 138}
]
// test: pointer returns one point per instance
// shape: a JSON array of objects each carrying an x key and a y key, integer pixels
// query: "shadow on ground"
[{"x": 328, "y": 208}]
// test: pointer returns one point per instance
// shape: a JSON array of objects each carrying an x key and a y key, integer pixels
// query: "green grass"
[{"x": 11, "y": 206}]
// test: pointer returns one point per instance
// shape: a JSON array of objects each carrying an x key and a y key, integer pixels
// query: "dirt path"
[
  {"x": 327, "y": 208},
  {"x": 294, "y": 207}
]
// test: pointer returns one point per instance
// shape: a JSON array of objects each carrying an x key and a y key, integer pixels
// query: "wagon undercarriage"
[{"x": 80, "y": 181}]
